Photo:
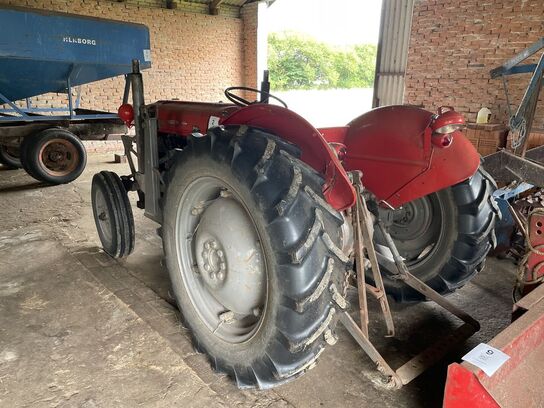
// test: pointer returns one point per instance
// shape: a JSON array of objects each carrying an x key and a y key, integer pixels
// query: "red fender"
[
  {"x": 184, "y": 118},
  {"x": 282, "y": 122},
  {"x": 392, "y": 147}
]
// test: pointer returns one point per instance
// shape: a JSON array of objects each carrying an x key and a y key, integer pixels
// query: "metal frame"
[
  {"x": 509, "y": 67},
  {"x": 522, "y": 120},
  {"x": 152, "y": 174},
  {"x": 32, "y": 114},
  {"x": 147, "y": 179},
  {"x": 363, "y": 224},
  {"x": 525, "y": 169},
  {"x": 506, "y": 167}
]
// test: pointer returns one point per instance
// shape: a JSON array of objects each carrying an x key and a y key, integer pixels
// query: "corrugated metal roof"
[{"x": 396, "y": 23}]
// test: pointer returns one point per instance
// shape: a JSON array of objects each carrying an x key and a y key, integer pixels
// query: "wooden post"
[{"x": 214, "y": 7}]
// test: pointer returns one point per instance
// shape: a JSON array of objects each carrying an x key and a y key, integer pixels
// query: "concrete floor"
[{"x": 80, "y": 329}]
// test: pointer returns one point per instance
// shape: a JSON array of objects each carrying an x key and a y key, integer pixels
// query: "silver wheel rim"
[
  {"x": 220, "y": 259},
  {"x": 417, "y": 230},
  {"x": 103, "y": 215}
]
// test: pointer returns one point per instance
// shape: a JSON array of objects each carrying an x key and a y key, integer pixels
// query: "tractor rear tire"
[
  {"x": 264, "y": 312},
  {"x": 9, "y": 157},
  {"x": 463, "y": 220},
  {"x": 54, "y": 156}
]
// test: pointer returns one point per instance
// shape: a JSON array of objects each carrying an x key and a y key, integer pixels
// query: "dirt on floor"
[{"x": 80, "y": 329}]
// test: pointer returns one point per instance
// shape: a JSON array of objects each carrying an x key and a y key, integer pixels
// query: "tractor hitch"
[{"x": 363, "y": 226}]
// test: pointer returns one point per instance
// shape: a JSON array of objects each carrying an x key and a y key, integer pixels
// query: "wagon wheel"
[
  {"x": 9, "y": 156},
  {"x": 55, "y": 156}
]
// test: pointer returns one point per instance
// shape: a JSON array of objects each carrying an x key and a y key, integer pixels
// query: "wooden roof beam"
[{"x": 214, "y": 7}]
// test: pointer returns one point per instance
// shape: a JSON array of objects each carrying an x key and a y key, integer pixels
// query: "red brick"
[{"x": 472, "y": 40}]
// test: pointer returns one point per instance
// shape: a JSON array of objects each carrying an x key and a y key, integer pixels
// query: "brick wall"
[
  {"x": 249, "y": 15},
  {"x": 195, "y": 55},
  {"x": 455, "y": 43}
]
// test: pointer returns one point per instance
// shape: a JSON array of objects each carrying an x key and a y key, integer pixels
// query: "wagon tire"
[
  {"x": 266, "y": 319},
  {"x": 9, "y": 157},
  {"x": 113, "y": 215},
  {"x": 463, "y": 220},
  {"x": 54, "y": 156},
  {"x": 27, "y": 141}
]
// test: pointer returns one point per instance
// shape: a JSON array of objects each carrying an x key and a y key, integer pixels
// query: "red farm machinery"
[{"x": 266, "y": 221}]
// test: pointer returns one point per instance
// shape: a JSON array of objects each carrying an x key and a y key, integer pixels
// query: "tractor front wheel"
[
  {"x": 253, "y": 252},
  {"x": 112, "y": 214},
  {"x": 444, "y": 237}
]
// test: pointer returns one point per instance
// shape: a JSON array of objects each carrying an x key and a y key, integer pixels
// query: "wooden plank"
[{"x": 214, "y": 7}]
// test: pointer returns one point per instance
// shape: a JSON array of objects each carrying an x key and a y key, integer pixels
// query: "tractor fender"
[
  {"x": 392, "y": 147},
  {"x": 315, "y": 151}
]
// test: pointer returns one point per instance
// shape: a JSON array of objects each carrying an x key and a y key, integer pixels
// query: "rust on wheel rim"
[{"x": 59, "y": 157}]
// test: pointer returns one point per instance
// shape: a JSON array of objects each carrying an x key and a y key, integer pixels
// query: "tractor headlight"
[
  {"x": 444, "y": 124},
  {"x": 444, "y": 130}
]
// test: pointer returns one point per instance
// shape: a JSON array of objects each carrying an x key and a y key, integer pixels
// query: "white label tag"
[
  {"x": 487, "y": 358},
  {"x": 213, "y": 122},
  {"x": 147, "y": 55}
]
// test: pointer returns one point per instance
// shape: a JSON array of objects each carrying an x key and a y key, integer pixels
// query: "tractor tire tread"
[
  {"x": 123, "y": 218},
  {"x": 476, "y": 221},
  {"x": 125, "y": 212},
  {"x": 306, "y": 266}
]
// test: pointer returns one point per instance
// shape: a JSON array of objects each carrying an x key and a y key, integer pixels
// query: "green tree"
[
  {"x": 366, "y": 60},
  {"x": 296, "y": 62},
  {"x": 299, "y": 62}
]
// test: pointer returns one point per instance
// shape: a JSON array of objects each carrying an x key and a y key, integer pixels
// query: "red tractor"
[{"x": 256, "y": 209}]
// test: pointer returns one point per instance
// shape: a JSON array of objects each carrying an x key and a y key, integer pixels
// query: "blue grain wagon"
[{"x": 42, "y": 52}]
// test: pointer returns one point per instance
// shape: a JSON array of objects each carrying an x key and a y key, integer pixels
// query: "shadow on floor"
[
  {"x": 6, "y": 168},
  {"x": 22, "y": 187}
]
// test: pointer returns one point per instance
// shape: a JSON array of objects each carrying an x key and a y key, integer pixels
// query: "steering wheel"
[{"x": 238, "y": 100}]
